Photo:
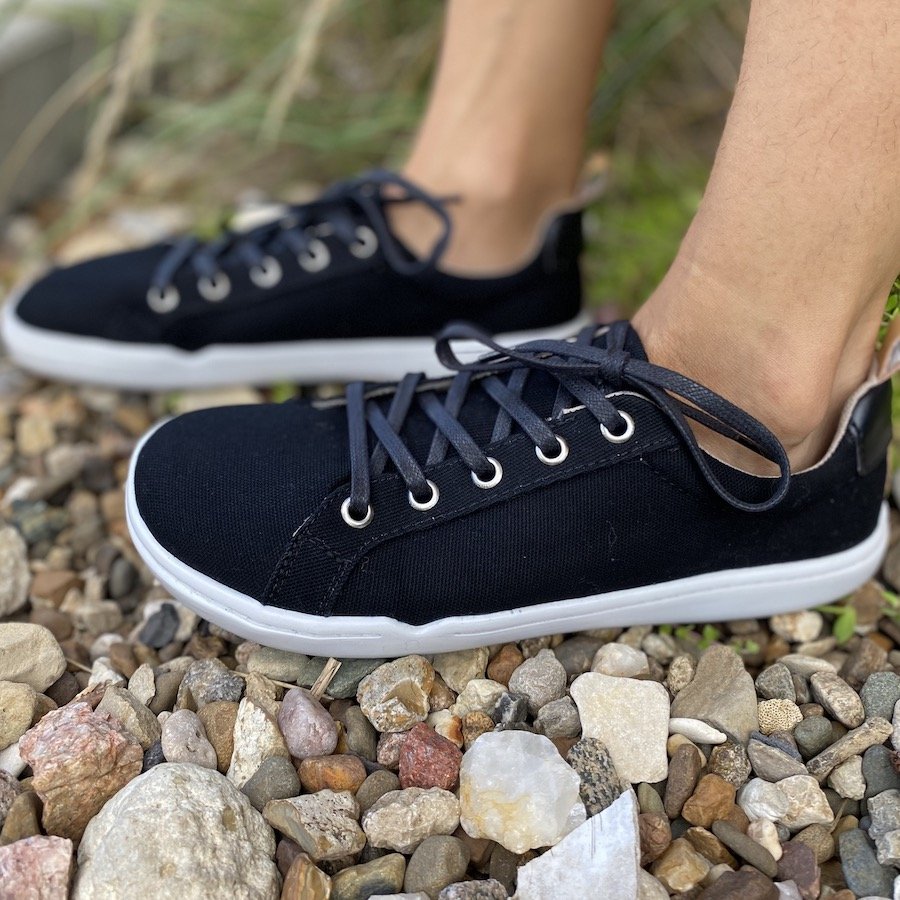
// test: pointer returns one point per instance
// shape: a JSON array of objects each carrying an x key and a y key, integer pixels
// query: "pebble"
[
  {"x": 870, "y": 733},
  {"x": 681, "y": 672},
  {"x": 600, "y": 784},
  {"x": 36, "y": 868},
  {"x": 541, "y": 679},
  {"x": 160, "y": 627},
  {"x": 847, "y": 779},
  {"x": 376, "y": 785},
  {"x": 305, "y": 881},
  {"x": 474, "y": 725},
  {"x": 800, "y": 664},
  {"x": 684, "y": 771},
  {"x": 761, "y": 799},
  {"x": 388, "y": 751},
  {"x": 895, "y": 729},
  {"x": 346, "y": 681},
  {"x": 798, "y": 627},
  {"x": 29, "y": 654},
  {"x": 428, "y": 760},
  {"x": 184, "y": 740},
  {"x": 383, "y": 875},
  {"x": 765, "y": 833},
  {"x": 864, "y": 875},
  {"x": 23, "y": 819},
  {"x": 838, "y": 698},
  {"x": 80, "y": 759},
  {"x": 620, "y": 660},
  {"x": 709, "y": 846},
  {"x": 507, "y": 659},
  {"x": 395, "y": 696},
  {"x": 173, "y": 831},
  {"x": 275, "y": 779},
  {"x": 15, "y": 574},
  {"x": 306, "y": 725},
  {"x": 771, "y": 763},
  {"x": 257, "y": 737},
  {"x": 879, "y": 771},
  {"x": 18, "y": 703},
  {"x": 559, "y": 718},
  {"x": 600, "y": 858},
  {"x": 681, "y": 868},
  {"x": 697, "y": 731},
  {"x": 438, "y": 861},
  {"x": 730, "y": 760},
  {"x": 206, "y": 681},
  {"x": 880, "y": 694},
  {"x": 218, "y": 720},
  {"x": 812, "y": 735},
  {"x": 712, "y": 800},
  {"x": 132, "y": 714},
  {"x": 819, "y": 838},
  {"x": 324, "y": 824},
  {"x": 491, "y": 889},
  {"x": 340, "y": 772},
  {"x": 778, "y": 715},
  {"x": 631, "y": 717},
  {"x": 807, "y": 803},
  {"x": 746, "y": 848},
  {"x": 280, "y": 665},
  {"x": 361, "y": 737},
  {"x": 515, "y": 788},
  {"x": 401, "y": 820},
  {"x": 481, "y": 695},
  {"x": 655, "y": 836},
  {"x": 865, "y": 658},
  {"x": 459, "y": 667},
  {"x": 722, "y": 694}
]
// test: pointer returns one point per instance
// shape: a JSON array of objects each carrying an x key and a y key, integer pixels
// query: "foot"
[
  {"x": 329, "y": 292},
  {"x": 564, "y": 491}
]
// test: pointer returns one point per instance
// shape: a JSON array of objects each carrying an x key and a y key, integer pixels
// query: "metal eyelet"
[
  {"x": 553, "y": 460},
  {"x": 267, "y": 274},
  {"x": 427, "y": 504},
  {"x": 494, "y": 480},
  {"x": 316, "y": 257},
  {"x": 625, "y": 435},
  {"x": 347, "y": 515},
  {"x": 163, "y": 301},
  {"x": 216, "y": 288},
  {"x": 366, "y": 242}
]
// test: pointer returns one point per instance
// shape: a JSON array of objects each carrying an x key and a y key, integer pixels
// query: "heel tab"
[{"x": 871, "y": 426}]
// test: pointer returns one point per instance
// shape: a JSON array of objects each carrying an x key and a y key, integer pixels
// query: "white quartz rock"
[
  {"x": 763, "y": 800},
  {"x": 631, "y": 717},
  {"x": 807, "y": 803},
  {"x": 515, "y": 788},
  {"x": 600, "y": 858}
]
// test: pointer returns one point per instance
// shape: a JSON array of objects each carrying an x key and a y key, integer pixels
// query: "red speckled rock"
[
  {"x": 428, "y": 760},
  {"x": 36, "y": 868},
  {"x": 80, "y": 759}
]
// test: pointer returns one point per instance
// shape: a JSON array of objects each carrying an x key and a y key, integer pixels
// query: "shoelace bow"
[
  {"x": 584, "y": 372},
  {"x": 295, "y": 231}
]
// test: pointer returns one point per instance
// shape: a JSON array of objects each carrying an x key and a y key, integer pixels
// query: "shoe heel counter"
[{"x": 871, "y": 427}]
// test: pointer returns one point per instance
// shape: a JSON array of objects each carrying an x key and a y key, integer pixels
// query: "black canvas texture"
[
  {"x": 351, "y": 298},
  {"x": 251, "y": 497}
]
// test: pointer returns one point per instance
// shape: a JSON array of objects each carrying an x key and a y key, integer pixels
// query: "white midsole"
[
  {"x": 157, "y": 367},
  {"x": 753, "y": 592}
]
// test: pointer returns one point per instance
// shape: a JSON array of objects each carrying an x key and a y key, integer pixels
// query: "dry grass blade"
[
  {"x": 325, "y": 677},
  {"x": 306, "y": 49},
  {"x": 135, "y": 61}
]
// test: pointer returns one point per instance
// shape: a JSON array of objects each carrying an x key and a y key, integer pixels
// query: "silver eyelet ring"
[
  {"x": 316, "y": 257},
  {"x": 366, "y": 242},
  {"x": 626, "y": 435},
  {"x": 419, "y": 505},
  {"x": 347, "y": 515},
  {"x": 163, "y": 301},
  {"x": 553, "y": 460},
  {"x": 216, "y": 288},
  {"x": 494, "y": 480},
  {"x": 267, "y": 274}
]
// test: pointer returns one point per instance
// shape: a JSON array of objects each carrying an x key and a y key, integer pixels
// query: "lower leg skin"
[
  {"x": 505, "y": 125},
  {"x": 776, "y": 294}
]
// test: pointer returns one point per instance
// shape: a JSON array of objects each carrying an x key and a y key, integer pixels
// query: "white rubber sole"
[
  {"x": 148, "y": 367},
  {"x": 731, "y": 594}
]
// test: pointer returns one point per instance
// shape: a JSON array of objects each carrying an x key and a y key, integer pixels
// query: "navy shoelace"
[
  {"x": 585, "y": 372},
  {"x": 337, "y": 212}
]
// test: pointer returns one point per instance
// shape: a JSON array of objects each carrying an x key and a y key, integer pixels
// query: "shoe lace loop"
[
  {"x": 335, "y": 213},
  {"x": 585, "y": 372}
]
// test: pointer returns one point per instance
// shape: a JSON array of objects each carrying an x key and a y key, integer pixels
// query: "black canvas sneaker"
[
  {"x": 327, "y": 292},
  {"x": 552, "y": 487}
]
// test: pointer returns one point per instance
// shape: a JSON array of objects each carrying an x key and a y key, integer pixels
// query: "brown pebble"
[
  {"x": 820, "y": 839},
  {"x": 53, "y": 585},
  {"x": 564, "y": 744},
  {"x": 475, "y": 724},
  {"x": 218, "y": 719},
  {"x": 57, "y": 623},
  {"x": 712, "y": 800},
  {"x": 479, "y": 849},
  {"x": 379, "y": 783},
  {"x": 798, "y": 864},
  {"x": 122, "y": 659},
  {"x": 23, "y": 819},
  {"x": 656, "y": 835},
  {"x": 338, "y": 772},
  {"x": 440, "y": 696},
  {"x": 737, "y": 818},
  {"x": 507, "y": 659},
  {"x": 144, "y": 654},
  {"x": 684, "y": 770},
  {"x": 305, "y": 881},
  {"x": 811, "y": 709},
  {"x": 708, "y": 845},
  {"x": 209, "y": 646},
  {"x": 64, "y": 689},
  {"x": 748, "y": 884}
]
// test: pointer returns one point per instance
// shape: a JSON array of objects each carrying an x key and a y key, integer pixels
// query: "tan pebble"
[
  {"x": 765, "y": 834},
  {"x": 778, "y": 715},
  {"x": 679, "y": 740},
  {"x": 504, "y": 663},
  {"x": 475, "y": 724}
]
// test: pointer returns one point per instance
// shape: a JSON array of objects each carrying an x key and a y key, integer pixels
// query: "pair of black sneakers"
[{"x": 545, "y": 481}]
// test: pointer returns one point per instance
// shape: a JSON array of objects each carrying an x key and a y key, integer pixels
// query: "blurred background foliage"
[{"x": 206, "y": 102}]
